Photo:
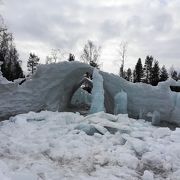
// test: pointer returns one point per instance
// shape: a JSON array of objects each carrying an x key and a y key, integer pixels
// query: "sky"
[{"x": 150, "y": 27}]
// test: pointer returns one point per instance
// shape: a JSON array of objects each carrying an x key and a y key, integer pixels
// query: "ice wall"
[
  {"x": 53, "y": 85},
  {"x": 97, "y": 104}
]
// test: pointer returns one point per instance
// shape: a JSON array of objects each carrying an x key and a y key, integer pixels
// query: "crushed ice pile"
[{"x": 53, "y": 146}]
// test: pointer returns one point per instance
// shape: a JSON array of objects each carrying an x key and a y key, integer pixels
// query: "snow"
[
  {"x": 49, "y": 146},
  {"x": 148, "y": 175}
]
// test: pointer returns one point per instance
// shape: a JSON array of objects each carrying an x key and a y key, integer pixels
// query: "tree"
[
  {"x": 122, "y": 51},
  {"x": 91, "y": 54},
  {"x": 9, "y": 56},
  {"x": 71, "y": 57},
  {"x": 32, "y": 63},
  {"x": 138, "y": 72},
  {"x": 129, "y": 74},
  {"x": 55, "y": 56},
  {"x": 174, "y": 75},
  {"x": 155, "y": 74},
  {"x": 163, "y": 74},
  {"x": 18, "y": 72},
  {"x": 147, "y": 70},
  {"x": 179, "y": 76}
]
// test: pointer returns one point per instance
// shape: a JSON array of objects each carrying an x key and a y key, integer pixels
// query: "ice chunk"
[
  {"x": 161, "y": 133},
  {"x": 126, "y": 159},
  {"x": 156, "y": 118},
  {"x": 148, "y": 175},
  {"x": 24, "y": 176},
  {"x": 139, "y": 146},
  {"x": 120, "y": 103},
  {"x": 88, "y": 129},
  {"x": 97, "y": 93},
  {"x": 103, "y": 115}
]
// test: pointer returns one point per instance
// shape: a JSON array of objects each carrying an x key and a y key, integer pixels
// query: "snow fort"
[{"x": 54, "y": 86}]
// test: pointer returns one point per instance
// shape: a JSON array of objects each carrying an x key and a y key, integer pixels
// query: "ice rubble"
[
  {"x": 48, "y": 146},
  {"x": 53, "y": 85}
]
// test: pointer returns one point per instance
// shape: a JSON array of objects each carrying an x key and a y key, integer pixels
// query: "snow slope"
[{"x": 48, "y": 146}]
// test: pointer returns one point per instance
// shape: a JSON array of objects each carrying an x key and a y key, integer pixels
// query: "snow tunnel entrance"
[{"x": 82, "y": 97}]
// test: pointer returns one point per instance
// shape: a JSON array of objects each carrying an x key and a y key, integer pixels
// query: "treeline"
[
  {"x": 150, "y": 72},
  {"x": 11, "y": 67}
]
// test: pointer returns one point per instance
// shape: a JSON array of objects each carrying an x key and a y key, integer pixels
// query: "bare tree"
[
  {"x": 56, "y": 55},
  {"x": 91, "y": 54},
  {"x": 122, "y": 51}
]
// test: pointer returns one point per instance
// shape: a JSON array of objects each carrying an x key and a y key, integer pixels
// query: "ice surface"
[
  {"x": 54, "y": 92},
  {"x": 120, "y": 103},
  {"x": 97, "y": 104},
  {"x": 156, "y": 118},
  {"x": 54, "y": 149},
  {"x": 81, "y": 97}
]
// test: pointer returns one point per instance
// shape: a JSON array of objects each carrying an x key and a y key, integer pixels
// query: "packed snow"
[{"x": 54, "y": 145}]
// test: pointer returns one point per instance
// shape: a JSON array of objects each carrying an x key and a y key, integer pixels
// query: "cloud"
[{"x": 149, "y": 27}]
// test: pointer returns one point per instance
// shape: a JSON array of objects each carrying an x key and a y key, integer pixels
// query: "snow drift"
[{"x": 53, "y": 86}]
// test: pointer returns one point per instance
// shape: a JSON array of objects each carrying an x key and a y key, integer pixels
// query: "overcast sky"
[{"x": 151, "y": 27}]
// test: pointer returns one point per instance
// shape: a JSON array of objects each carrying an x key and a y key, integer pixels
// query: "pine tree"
[
  {"x": 163, "y": 74},
  {"x": 32, "y": 63},
  {"x": 174, "y": 75},
  {"x": 9, "y": 56},
  {"x": 148, "y": 70},
  {"x": 18, "y": 72},
  {"x": 71, "y": 57},
  {"x": 138, "y": 72},
  {"x": 155, "y": 74}
]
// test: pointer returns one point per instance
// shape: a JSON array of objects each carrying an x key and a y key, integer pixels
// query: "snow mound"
[{"x": 47, "y": 145}]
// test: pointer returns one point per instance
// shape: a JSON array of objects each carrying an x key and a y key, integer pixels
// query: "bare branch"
[{"x": 122, "y": 51}]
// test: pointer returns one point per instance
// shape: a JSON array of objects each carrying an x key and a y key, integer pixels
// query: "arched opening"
[
  {"x": 76, "y": 80},
  {"x": 81, "y": 98}
]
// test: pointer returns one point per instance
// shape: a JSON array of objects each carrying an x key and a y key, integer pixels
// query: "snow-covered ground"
[{"x": 51, "y": 146}]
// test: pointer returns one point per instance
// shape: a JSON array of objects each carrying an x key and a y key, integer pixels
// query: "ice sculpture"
[
  {"x": 120, "y": 101},
  {"x": 156, "y": 118},
  {"x": 97, "y": 104}
]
